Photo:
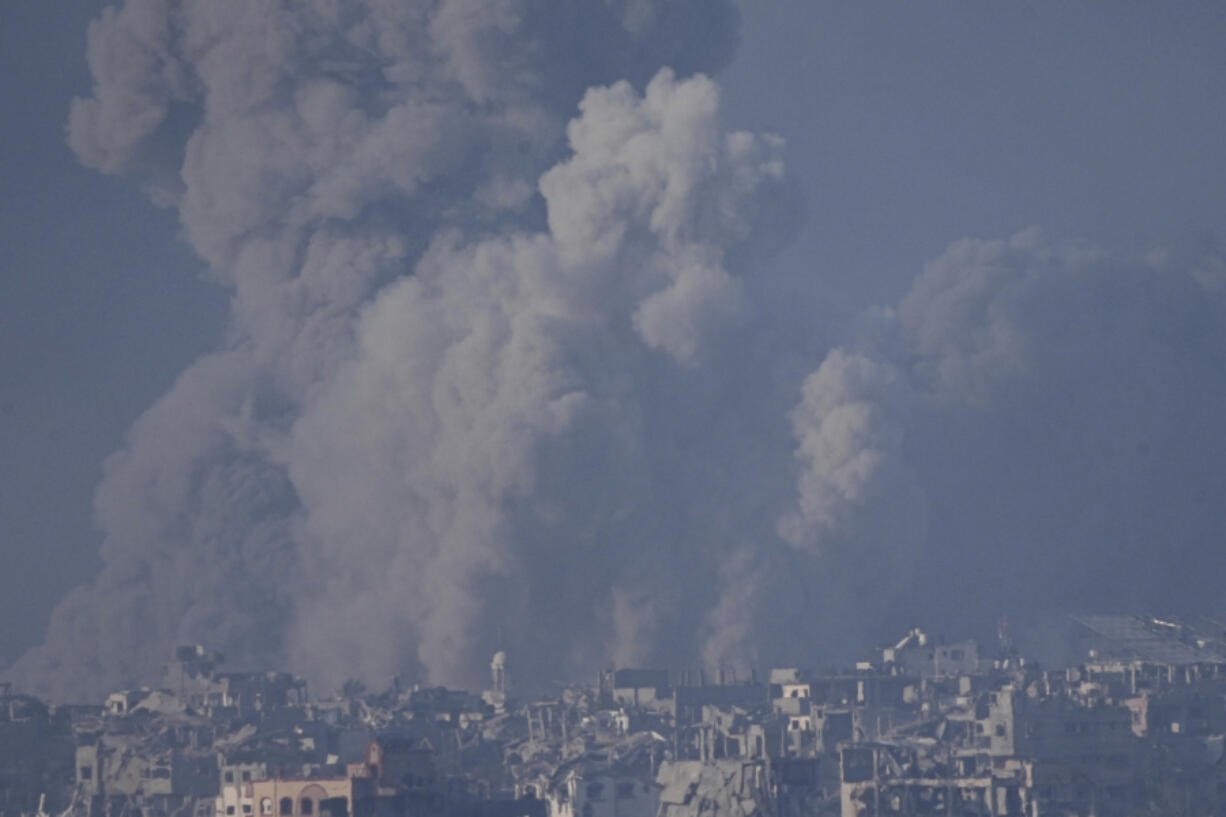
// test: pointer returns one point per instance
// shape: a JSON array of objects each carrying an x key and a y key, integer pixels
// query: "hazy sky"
[
  {"x": 102, "y": 306},
  {"x": 908, "y": 126}
]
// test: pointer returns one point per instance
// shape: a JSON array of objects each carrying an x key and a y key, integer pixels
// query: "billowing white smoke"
[
  {"x": 483, "y": 458},
  {"x": 496, "y": 382},
  {"x": 444, "y": 417}
]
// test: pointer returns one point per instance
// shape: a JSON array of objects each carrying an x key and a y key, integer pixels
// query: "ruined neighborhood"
[
  {"x": 612, "y": 408},
  {"x": 923, "y": 726}
]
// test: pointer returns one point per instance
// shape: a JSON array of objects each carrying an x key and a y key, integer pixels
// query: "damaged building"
[
  {"x": 921, "y": 727},
  {"x": 36, "y": 755}
]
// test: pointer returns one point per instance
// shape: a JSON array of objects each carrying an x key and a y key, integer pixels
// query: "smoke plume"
[
  {"x": 509, "y": 367},
  {"x": 429, "y": 432},
  {"x": 1030, "y": 432}
]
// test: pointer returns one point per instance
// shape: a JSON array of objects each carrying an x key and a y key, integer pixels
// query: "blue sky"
[{"x": 914, "y": 124}]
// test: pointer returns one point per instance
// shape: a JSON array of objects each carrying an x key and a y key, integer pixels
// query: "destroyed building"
[
  {"x": 919, "y": 655},
  {"x": 611, "y": 780},
  {"x": 147, "y": 760},
  {"x": 192, "y": 677},
  {"x": 743, "y": 787},
  {"x": 922, "y": 727},
  {"x": 36, "y": 754}
]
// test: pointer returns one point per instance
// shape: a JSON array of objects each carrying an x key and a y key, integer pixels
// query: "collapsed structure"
[{"x": 921, "y": 727}]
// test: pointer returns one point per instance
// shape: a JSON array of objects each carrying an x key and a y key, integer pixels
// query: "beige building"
[{"x": 296, "y": 797}]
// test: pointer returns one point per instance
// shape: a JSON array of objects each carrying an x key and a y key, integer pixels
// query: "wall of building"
[
  {"x": 603, "y": 796},
  {"x": 300, "y": 797}
]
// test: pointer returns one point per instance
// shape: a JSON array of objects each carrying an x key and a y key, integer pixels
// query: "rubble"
[{"x": 921, "y": 726}]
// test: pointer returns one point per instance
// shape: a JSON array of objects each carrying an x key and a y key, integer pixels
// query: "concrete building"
[
  {"x": 636, "y": 688},
  {"x": 606, "y": 779},
  {"x": 917, "y": 654},
  {"x": 192, "y": 677},
  {"x": 309, "y": 797},
  {"x": 885, "y": 779},
  {"x": 36, "y": 754}
]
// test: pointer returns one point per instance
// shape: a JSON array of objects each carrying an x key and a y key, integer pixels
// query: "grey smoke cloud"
[
  {"x": 318, "y": 153},
  {"x": 508, "y": 368},
  {"x": 1035, "y": 424},
  {"x": 850, "y": 439},
  {"x": 501, "y": 407}
]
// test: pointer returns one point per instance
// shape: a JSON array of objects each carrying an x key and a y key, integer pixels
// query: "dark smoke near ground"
[{"x": 509, "y": 367}]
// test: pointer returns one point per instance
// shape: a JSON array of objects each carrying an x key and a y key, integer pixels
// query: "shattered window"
[{"x": 266, "y": 807}]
